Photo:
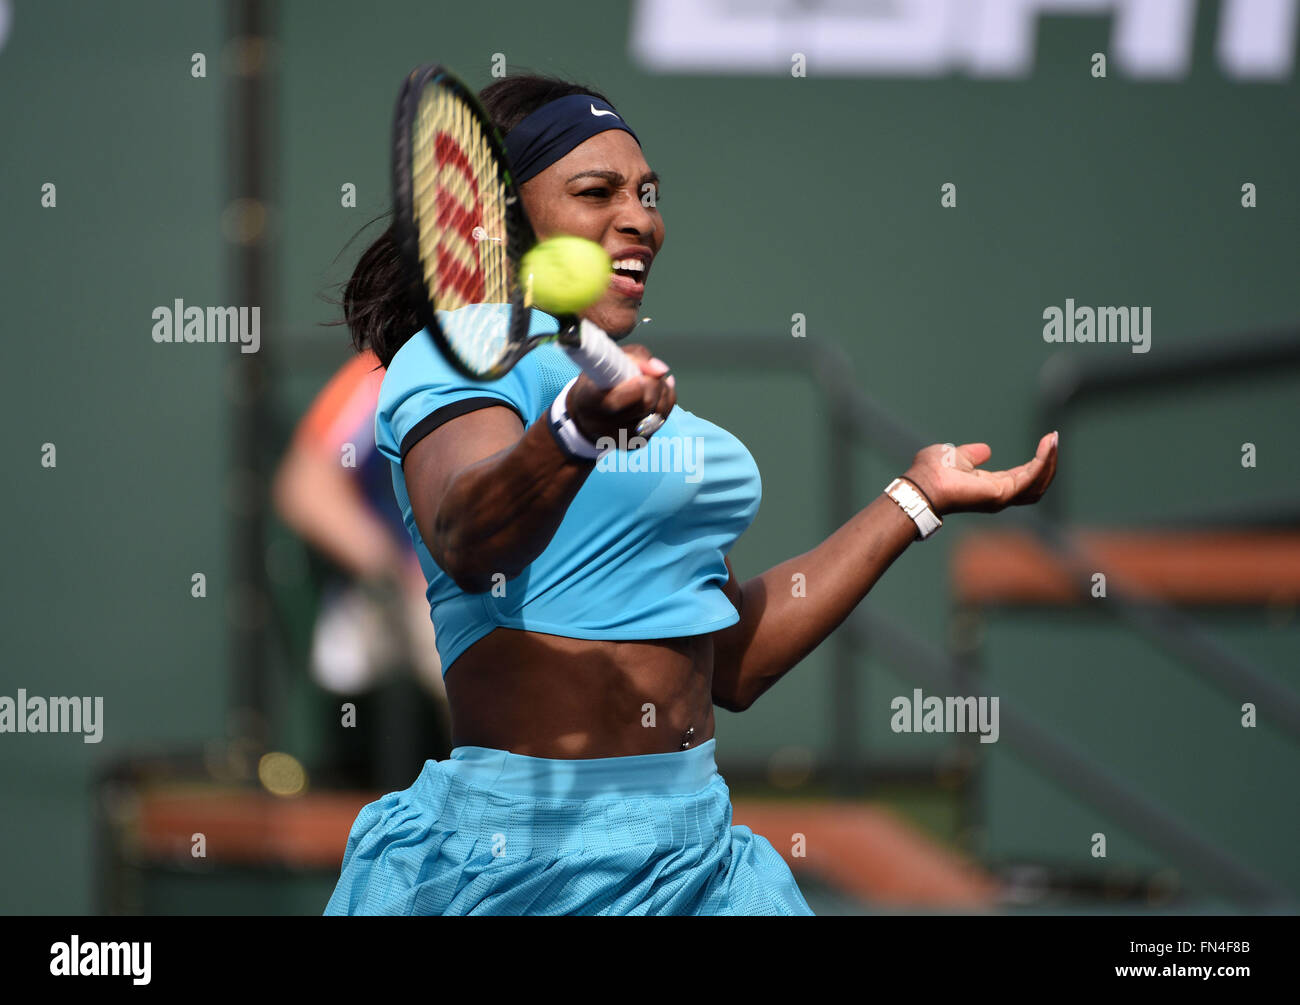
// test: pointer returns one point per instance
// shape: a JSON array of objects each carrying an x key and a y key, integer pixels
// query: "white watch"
[{"x": 914, "y": 505}]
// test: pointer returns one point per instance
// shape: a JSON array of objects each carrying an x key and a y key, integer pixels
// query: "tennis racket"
[{"x": 462, "y": 229}]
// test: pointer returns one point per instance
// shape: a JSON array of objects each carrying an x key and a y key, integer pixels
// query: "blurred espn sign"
[{"x": 1254, "y": 39}]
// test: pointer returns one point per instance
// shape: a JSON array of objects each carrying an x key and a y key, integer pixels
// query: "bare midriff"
[{"x": 550, "y": 696}]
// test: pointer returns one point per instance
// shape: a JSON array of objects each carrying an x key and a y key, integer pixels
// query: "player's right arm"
[{"x": 488, "y": 496}]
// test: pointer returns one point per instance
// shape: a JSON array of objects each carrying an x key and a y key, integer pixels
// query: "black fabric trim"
[{"x": 445, "y": 414}]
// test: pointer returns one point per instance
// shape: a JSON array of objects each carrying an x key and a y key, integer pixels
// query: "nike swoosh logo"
[{"x": 601, "y": 111}]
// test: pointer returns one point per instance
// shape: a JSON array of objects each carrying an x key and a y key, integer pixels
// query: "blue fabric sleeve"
[{"x": 420, "y": 382}]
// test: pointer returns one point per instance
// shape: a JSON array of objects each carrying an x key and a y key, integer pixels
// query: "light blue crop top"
[{"x": 639, "y": 553}]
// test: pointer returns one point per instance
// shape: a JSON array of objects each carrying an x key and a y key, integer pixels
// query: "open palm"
[{"x": 955, "y": 483}]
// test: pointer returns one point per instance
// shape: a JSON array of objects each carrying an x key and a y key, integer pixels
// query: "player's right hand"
[{"x": 604, "y": 412}]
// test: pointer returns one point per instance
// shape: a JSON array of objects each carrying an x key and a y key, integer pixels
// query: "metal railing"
[
  {"x": 1070, "y": 381},
  {"x": 1070, "y": 767}
]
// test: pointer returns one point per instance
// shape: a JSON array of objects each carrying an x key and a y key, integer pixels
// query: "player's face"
[{"x": 604, "y": 190}]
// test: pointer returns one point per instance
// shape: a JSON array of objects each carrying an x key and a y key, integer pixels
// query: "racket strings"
[
  {"x": 459, "y": 206},
  {"x": 459, "y": 202}
]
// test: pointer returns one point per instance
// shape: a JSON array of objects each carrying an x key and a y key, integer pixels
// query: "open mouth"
[
  {"x": 629, "y": 276},
  {"x": 631, "y": 268}
]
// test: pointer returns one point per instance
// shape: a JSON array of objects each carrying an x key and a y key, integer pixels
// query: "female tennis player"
[{"x": 587, "y": 617}]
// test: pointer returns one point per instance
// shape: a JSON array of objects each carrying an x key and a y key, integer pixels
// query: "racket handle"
[{"x": 600, "y": 358}]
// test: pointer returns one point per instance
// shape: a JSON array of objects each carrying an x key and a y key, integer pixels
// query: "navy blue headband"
[{"x": 557, "y": 127}]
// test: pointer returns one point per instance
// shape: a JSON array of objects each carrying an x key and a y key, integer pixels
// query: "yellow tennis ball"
[{"x": 567, "y": 274}]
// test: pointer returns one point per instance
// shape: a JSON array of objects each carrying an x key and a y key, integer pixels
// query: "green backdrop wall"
[{"x": 781, "y": 195}]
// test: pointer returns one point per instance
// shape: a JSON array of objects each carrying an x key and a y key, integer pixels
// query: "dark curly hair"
[{"x": 376, "y": 306}]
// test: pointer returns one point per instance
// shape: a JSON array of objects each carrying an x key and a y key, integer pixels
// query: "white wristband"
[
  {"x": 915, "y": 506},
  {"x": 566, "y": 431}
]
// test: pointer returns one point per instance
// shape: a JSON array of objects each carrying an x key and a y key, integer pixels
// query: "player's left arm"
[{"x": 788, "y": 611}]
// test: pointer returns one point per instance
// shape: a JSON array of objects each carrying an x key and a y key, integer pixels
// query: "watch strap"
[{"x": 914, "y": 504}]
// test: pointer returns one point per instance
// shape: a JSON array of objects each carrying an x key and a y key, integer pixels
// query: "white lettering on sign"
[{"x": 1152, "y": 39}]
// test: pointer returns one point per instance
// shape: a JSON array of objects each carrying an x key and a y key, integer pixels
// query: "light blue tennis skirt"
[{"x": 491, "y": 832}]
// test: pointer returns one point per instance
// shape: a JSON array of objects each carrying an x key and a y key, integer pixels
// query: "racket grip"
[{"x": 600, "y": 358}]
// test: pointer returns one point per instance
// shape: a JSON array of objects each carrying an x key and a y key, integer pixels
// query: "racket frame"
[{"x": 589, "y": 346}]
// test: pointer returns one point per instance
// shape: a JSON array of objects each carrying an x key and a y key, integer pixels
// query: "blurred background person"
[{"x": 334, "y": 489}]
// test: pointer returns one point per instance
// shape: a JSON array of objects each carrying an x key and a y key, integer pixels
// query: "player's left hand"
[{"x": 950, "y": 475}]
